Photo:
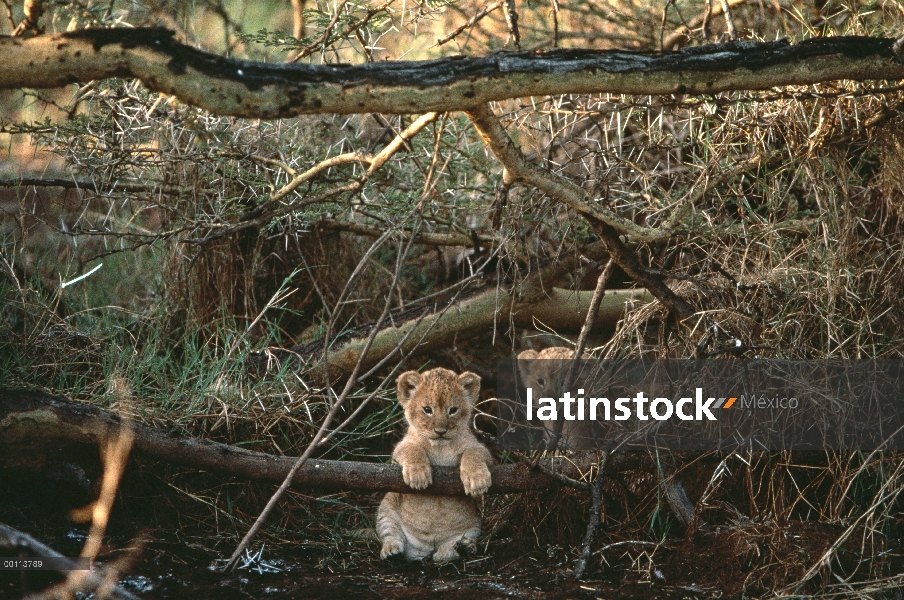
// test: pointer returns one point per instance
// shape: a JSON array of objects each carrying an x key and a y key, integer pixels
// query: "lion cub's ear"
[
  {"x": 407, "y": 383},
  {"x": 471, "y": 383},
  {"x": 528, "y": 355}
]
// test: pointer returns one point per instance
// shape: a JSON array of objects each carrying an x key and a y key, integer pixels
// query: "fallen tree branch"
[
  {"x": 557, "y": 309},
  {"x": 425, "y": 327},
  {"x": 422, "y": 237},
  {"x": 261, "y": 90},
  {"x": 35, "y": 427},
  {"x": 596, "y": 497}
]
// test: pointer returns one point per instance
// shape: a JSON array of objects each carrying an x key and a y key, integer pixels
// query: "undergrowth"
[{"x": 803, "y": 259}]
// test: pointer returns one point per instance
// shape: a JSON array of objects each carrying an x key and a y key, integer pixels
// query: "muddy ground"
[{"x": 169, "y": 555}]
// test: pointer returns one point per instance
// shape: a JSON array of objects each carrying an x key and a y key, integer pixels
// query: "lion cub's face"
[
  {"x": 546, "y": 370},
  {"x": 438, "y": 403}
]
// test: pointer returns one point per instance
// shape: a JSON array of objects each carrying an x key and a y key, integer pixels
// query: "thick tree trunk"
[{"x": 243, "y": 88}]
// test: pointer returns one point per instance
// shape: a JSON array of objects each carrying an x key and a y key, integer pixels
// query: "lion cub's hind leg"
[
  {"x": 389, "y": 528},
  {"x": 458, "y": 546}
]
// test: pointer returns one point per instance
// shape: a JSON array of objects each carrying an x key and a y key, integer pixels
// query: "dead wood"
[
  {"x": 442, "y": 326},
  {"x": 228, "y": 86},
  {"x": 35, "y": 427},
  {"x": 422, "y": 328}
]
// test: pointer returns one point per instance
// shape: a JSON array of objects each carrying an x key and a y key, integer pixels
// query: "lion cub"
[
  {"x": 543, "y": 372},
  {"x": 438, "y": 406}
]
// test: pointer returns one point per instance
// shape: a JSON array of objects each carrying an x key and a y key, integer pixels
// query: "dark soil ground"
[{"x": 181, "y": 559}]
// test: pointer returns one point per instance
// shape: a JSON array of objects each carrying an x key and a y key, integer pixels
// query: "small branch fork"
[
  {"x": 471, "y": 23},
  {"x": 274, "y": 207}
]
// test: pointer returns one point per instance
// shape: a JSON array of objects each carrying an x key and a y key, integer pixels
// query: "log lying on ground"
[
  {"x": 35, "y": 427},
  {"x": 228, "y": 86},
  {"x": 559, "y": 310}
]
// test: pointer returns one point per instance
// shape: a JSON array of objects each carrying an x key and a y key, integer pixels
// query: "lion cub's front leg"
[
  {"x": 475, "y": 472},
  {"x": 415, "y": 465}
]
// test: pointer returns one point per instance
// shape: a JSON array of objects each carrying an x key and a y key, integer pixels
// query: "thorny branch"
[
  {"x": 274, "y": 207},
  {"x": 517, "y": 168}
]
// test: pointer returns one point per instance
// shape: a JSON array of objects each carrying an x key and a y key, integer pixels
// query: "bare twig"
[
  {"x": 701, "y": 20},
  {"x": 471, "y": 22},
  {"x": 570, "y": 376},
  {"x": 594, "y": 522},
  {"x": 33, "y": 11},
  {"x": 625, "y": 259},
  {"x": 707, "y": 14},
  {"x": 729, "y": 21},
  {"x": 274, "y": 208},
  {"x": 298, "y": 23},
  {"x": 352, "y": 28},
  {"x": 511, "y": 19}
]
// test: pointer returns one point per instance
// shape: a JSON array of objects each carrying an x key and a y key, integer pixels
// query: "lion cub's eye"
[
  {"x": 428, "y": 410},
  {"x": 453, "y": 410},
  {"x": 541, "y": 382}
]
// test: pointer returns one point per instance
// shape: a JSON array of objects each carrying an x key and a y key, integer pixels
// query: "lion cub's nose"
[{"x": 440, "y": 431}]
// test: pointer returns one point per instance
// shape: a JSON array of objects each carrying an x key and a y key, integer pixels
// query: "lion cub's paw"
[
  {"x": 445, "y": 553},
  {"x": 417, "y": 474},
  {"x": 465, "y": 546},
  {"x": 476, "y": 480},
  {"x": 391, "y": 547}
]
